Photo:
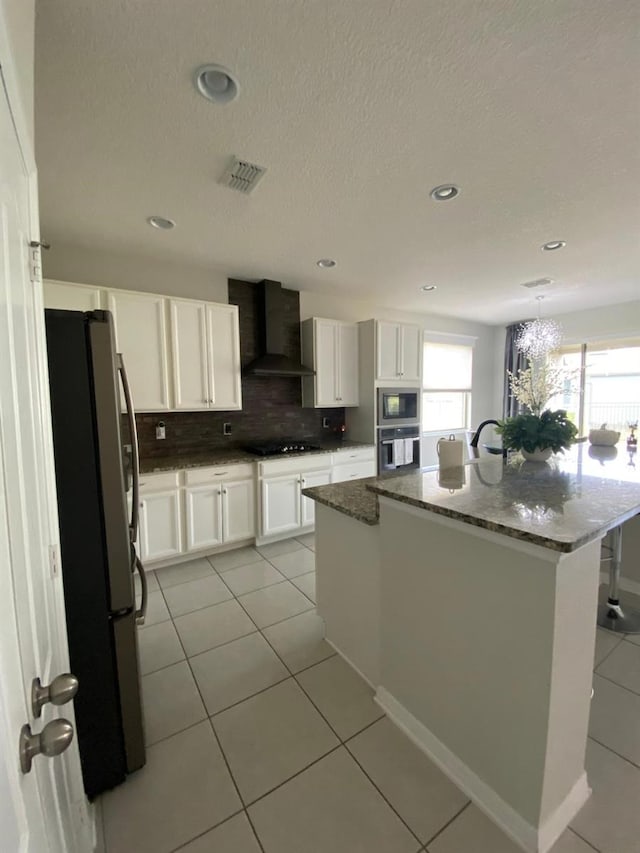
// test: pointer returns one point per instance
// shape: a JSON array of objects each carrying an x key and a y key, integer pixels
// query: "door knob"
[
  {"x": 61, "y": 690},
  {"x": 54, "y": 738}
]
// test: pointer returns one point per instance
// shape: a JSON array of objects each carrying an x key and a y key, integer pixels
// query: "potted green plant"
[
  {"x": 540, "y": 432},
  {"x": 538, "y": 436}
]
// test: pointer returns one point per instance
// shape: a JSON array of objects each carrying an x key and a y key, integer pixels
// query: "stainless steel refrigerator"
[{"x": 97, "y": 540}]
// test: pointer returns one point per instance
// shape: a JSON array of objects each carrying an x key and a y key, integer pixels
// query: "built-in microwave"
[{"x": 398, "y": 406}]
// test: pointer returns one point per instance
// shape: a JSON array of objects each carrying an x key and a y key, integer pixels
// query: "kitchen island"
[{"x": 475, "y": 621}]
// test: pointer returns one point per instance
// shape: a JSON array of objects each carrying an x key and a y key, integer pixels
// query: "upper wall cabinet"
[
  {"x": 141, "y": 337},
  {"x": 71, "y": 297},
  {"x": 398, "y": 351},
  {"x": 330, "y": 347},
  {"x": 206, "y": 355}
]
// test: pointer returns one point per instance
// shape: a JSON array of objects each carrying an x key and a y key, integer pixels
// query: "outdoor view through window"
[{"x": 611, "y": 385}]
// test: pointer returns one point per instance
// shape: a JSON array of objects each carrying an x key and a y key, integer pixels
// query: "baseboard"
[
  {"x": 626, "y": 584},
  {"x": 352, "y": 665},
  {"x": 528, "y": 837}
]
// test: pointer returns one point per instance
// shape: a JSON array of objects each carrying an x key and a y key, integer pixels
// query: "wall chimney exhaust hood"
[{"x": 273, "y": 361}]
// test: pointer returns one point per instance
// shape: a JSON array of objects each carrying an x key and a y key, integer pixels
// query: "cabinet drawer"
[
  {"x": 356, "y": 471},
  {"x": 294, "y": 465},
  {"x": 193, "y": 476},
  {"x": 358, "y": 454},
  {"x": 159, "y": 482}
]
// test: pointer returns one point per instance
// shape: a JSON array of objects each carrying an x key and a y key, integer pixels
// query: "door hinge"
[
  {"x": 54, "y": 560},
  {"x": 35, "y": 262}
]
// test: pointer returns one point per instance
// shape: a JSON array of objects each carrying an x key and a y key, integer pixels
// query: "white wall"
[
  {"x": 106, "y": 268},
  {"x": 19, "y": 18}
]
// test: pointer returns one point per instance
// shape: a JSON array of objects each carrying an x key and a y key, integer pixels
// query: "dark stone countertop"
[
  {"x": 351, "y": 498},
  {"x": 561, "y": 505},
  {"x": 209, "y": 458}
]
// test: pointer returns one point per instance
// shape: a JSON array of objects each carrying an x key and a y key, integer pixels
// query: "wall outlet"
[
  {"x": 226, "y": 428},
  {"x": 161, "y": 432},
  {"x": 325, "y": 423}
]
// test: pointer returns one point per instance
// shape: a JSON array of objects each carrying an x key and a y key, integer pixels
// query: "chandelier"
[{"x": 537, "y": 338}]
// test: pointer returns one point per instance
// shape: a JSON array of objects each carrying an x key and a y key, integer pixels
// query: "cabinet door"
[
  {"x": 347, "y": 364},
  {"x": 224, "y": 357},
  {"x": 313, "y": 478},
  {"x": 238, "y": 512},
  {"x": 326, "y": 362},
  {"x": 280, "y": 508},
  {"x": 411, "y": 347},
  {"x": 160, "y": 533},
  {"x": 141, "y": 337},
  {"x": 204, "y": 516},
  {"x": 70, "y": 297},
  {"x": 388, "y": 359},
  {"x": 189, "y": 353}
]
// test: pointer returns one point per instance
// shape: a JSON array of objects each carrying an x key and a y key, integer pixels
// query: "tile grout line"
[
  {"x": 617, "y": 684},
  {"x": 448, "y": 823},
  {"x": 217, "y": 740},
  {"x": 623, "y": 757},
  {"x": 582, "y": 838}
]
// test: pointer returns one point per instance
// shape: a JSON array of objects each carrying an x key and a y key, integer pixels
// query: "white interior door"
[{"x": 43, "y": 811}]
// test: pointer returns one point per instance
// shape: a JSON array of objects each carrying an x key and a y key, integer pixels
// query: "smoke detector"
[
  {"x": 539, "y": 282},
  {"x": 242, "y": 176}
]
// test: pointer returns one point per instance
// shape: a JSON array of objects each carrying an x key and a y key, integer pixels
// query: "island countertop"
[
  {"x": 561, "y": 505},
  {"x": 351, "y": 498}
]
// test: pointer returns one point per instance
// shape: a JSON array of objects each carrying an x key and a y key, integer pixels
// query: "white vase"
[{"x": 537, "y": 455}]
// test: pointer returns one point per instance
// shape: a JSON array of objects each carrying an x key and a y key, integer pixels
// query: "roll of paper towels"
[{"x": 449, "y": 452}]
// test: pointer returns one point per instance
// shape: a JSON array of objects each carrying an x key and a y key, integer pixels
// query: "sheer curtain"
[{"x": 514, "y": 361}]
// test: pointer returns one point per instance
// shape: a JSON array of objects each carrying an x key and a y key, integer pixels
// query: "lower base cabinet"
[
  {"x": 238, "y": 510},
  {"x": 283, "y": 507},
  {"x": 203, "y": 513},
  {"x": 160, "y": 534}
]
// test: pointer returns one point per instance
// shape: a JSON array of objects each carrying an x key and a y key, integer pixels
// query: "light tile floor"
[{"x": 262, "y": 740}]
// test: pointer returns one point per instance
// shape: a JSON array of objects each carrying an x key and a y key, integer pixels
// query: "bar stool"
[{"x": 611, "y": 615}]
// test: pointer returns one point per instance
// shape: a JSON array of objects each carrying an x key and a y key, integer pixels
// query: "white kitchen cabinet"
[
  {"x": 205, "y": 345},
  {"x": 203, "y": 506},
  {"x": 160, "y": 534},
  {"x": 141, "y": 337},
  {"x": 309, "y": 479},
  {"x": 353, "y": 471},
  {"x": 398, "y": 351},
  {"x": 238, "y": 510},
  {"x": 330, "y": 347},
  {"x": 189, "y": 354},
  {"x": 281, "y": 510},
  {"x": 71, "y": 297},
  {"x": 219, "y": 505}
]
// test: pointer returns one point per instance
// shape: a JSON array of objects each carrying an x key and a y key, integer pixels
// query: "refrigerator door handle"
[
  {"x": 135, "y": 458},
  {"x": 141, "y": 614}
]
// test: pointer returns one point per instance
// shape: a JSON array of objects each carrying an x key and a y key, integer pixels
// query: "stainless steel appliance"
[
  {"x": 398, "y": 406},
  {"x": 97, "y": 540},
  {"x": 398, "y": 448}
]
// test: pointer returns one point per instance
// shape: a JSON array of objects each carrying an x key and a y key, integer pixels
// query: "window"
[
  {"x": 446, "y": 386},
  {"x": 607, "y": 389}
]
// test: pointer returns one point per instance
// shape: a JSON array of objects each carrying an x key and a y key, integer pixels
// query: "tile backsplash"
[{"x": 271, "y": 406}]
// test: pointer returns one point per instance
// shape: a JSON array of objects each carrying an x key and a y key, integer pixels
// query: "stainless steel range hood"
[{"x": 273, "y": 361}]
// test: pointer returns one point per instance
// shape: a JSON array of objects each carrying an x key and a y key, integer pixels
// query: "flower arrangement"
[{"x": 540, "y": 429}]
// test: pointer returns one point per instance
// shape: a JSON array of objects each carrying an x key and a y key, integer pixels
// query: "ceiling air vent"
[
  {"x": 242, "y": 176},
  {"x": 539, "y": 282}
]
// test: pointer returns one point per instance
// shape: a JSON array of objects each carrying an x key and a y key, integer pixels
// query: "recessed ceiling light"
[
  {"x": 216, "y": 83},
  {"x": 161, "y": 222},
  {"x": 444, "y": 192},
  {"x": 326, "y": 263},
  {"x": 429, "y": 287},
  {"x": 552, "y": 245}
]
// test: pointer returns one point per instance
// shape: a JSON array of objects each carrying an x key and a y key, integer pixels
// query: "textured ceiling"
[{"x": 357, "y": 108}]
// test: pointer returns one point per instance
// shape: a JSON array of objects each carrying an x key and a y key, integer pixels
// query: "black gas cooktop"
[{"x": 278, "y": 448}]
